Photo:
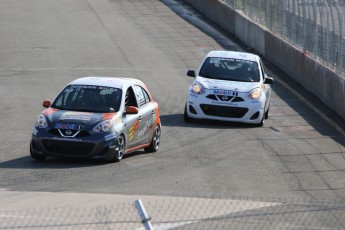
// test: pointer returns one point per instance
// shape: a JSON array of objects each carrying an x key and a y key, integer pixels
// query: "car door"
[
  {"x": 131, "y": 121},
  {"x": 147, "y": 116}
]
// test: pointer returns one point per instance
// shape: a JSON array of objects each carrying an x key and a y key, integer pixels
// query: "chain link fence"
[
  {"x": 186, "y": 213},
  {"x": 315, "y": 26}
]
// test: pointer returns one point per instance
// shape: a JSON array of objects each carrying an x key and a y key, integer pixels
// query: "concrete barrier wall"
[
  {"x": 313, "y": 76},
  {"x": 250, "y": 33},
  {"x": 219, "y": 13}
]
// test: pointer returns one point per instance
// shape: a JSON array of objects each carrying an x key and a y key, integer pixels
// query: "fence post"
[{"x": 143, "y": 215}]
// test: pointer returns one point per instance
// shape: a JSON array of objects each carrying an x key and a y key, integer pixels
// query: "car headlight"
[
  {"x": 198, "y": 88},
  {"x": 255, "y": 94},
  {"x": 41, "y": 121},
  {"x": 104, "y": 126}
]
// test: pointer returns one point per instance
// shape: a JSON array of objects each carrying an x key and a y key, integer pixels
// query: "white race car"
[{"x": 229, "y": 86}]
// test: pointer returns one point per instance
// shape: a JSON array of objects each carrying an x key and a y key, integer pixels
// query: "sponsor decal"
[
  {"x": 110, "y": 137},
  {"x": 66, "y": 139},
  {"x": 82, "y": 116},
  {"x": 147, "y": 127},
  {"x": 83, "y": 87},
  {"x": 107, "y": 88},
  {"x": 224, "y": 103},
  {"x": 68, "y": 126},
  {"x": 236, "y": 84},
  {"x": 225, "y": 92},
  {"x": 133, "y": 129},
  {"x": 218, "y": 59},
  {"x": 90, "y": 87}
]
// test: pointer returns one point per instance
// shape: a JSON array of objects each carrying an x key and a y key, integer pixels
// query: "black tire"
[
  {"x": 155, "y": 141},
  {"x": 266, "y": 113},
  {"x": 36, "y": 156},
  {"x": 185, "y": 115},
  {"x": 261, "y": 123},
  {"x": 121, "y": 149}
]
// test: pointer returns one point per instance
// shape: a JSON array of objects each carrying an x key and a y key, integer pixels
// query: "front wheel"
[
  {"x": 155, "y": 141},
  {"x": 36, "y": 156},
  {"x": 261, "y": 123},
  {"x": 185, "y": 115},
  {"x": 120, "y": 151}
]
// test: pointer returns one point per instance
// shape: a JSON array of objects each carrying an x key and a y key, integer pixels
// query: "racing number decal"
[{"x": 133, "y": 129}]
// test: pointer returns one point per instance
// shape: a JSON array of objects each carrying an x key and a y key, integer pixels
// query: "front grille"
[
  {"x": 70, "y": 148},
  {"x": 212, "y": 97},
  {"x": 82, "y": 133},
  {"x": 223, "y": 111},
  {"x": 224, "y": 98},
  {"x": 237, "y": 99}
]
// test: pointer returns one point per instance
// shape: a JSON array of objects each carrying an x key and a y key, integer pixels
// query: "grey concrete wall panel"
[
  {"x": 250, "y": 33},
  {"x": 312, "y": 75},
  {"x": 316, "y": 78},
  {"x": 216, "y": 11},
  {"x": 234, "y": 22}
]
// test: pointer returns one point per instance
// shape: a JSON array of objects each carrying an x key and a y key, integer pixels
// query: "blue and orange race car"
[{"x": 97, "y": 117}]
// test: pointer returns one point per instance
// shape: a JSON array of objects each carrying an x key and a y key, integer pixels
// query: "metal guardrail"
[{"x": 315, "y": 26}]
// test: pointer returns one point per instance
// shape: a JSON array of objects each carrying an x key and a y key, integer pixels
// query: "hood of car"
[
  {"x": 214, "y": 84},
  {"x": 55, "y": 116}
]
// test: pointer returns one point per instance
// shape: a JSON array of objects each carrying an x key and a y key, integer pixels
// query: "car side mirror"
[
  {"x": 132, "y": 110},
  {"x": 46, "y": 103},
  {"x": 191, "y": 73},
  {"x": 268, "y": 80}
]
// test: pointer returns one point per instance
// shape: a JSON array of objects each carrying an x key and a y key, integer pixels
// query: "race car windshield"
[
  {"x": 89, "y": 98},
  {"x": 230, "y": 69}
]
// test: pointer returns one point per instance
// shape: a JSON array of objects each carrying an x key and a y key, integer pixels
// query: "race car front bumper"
[{"x": 100, "y": 146}]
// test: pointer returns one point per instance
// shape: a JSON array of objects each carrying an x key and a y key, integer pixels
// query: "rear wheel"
[
  {"x": 36, "y": 156},
  {"x": 185, "y": 115},
  {"x": 120, "y": 150},
  {"x": 155, "y": 141}
]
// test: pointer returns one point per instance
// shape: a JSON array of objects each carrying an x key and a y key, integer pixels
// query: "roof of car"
[
  {"x": 106, "y": 81},
  {"x": 233, "y": 54}
]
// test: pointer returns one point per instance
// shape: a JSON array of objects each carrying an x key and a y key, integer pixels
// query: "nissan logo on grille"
[{"x": 68, "y": 132}]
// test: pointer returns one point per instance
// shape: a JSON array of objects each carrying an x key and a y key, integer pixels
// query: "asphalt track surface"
[{"x": 297, "y": 155}]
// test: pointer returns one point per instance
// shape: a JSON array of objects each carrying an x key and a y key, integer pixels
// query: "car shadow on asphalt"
[
  {"x": 27, "y": 162},
  {"x": 176, "y": 120}
]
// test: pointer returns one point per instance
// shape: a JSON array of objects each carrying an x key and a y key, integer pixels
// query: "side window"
[
  {"x": 146, "y": 95},
  {"x": 263, "y": 71},
  {"x": 141, "y": 95},
  {"x": 130, "y": 98}
]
